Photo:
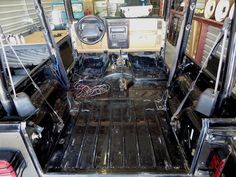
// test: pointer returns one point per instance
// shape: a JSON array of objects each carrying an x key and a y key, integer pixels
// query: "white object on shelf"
[
  {"x": 22, "y": 39},
  {"x": 210, "y": 9},
  {"x": 137, "y": 11},
  {"x": 17, "y": 39},
  {"x": 12, "y": 40},
  {"x": 222, "y": 10}
]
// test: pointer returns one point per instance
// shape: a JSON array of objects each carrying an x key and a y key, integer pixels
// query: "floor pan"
[{"x": 118, "y": 135}]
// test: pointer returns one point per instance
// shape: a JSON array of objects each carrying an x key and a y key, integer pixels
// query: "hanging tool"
[{"x": 22, "y": 102}]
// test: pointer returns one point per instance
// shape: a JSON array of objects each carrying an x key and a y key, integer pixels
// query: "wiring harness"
[{"x": 90, "y": 90}]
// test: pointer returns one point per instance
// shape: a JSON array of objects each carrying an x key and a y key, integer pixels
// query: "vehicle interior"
[
  {"x": 118, "y": 82},
  {"x": 105, "y": 104}
]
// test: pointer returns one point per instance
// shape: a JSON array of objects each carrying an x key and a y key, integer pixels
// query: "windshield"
[
  {"x": 124, "y": 8},
  {"x": 133, "y": 8}
]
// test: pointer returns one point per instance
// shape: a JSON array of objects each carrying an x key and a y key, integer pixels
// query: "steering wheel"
[{"x": 90, "y": 29}]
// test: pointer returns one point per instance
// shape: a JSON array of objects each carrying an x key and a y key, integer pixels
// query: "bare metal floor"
[{"x": 116, "y": 135}]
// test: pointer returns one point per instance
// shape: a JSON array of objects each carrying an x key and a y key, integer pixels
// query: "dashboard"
[{"x": 128, "y": 34}]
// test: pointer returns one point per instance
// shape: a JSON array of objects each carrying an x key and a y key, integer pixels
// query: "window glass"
[{"x": 118, "y": 8}]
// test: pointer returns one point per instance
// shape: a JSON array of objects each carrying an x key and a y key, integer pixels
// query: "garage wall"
[{"x": 18, "y": 16}]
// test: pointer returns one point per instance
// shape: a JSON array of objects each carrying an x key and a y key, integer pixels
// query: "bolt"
[
  {"x": 192, "y": 6},
  {"x": 188, "y": 27}
]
